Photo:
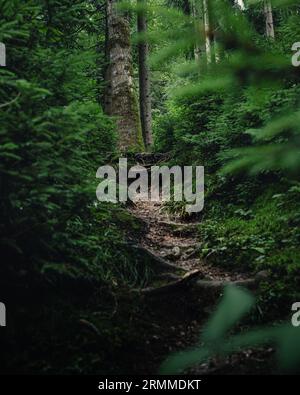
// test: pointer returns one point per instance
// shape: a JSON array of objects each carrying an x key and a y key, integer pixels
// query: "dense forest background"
[{"x": 197, "y": 82}]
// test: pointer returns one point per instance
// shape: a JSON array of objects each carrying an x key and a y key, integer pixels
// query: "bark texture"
[
  {"x": 144, "y": 79},
  {"x": 270, "y": 32},
  {"x": 208, "y": 32},
  {"x": 120, "y": 100},
  {"x": 194, "y": 11}
]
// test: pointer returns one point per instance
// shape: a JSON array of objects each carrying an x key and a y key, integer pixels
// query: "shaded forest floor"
[
  {"x": 176, "y": 241},
  {"x": 117, "y": 330},
  {"x": 178, "y": 313}
]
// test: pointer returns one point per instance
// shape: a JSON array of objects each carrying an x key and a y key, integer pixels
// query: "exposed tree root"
[
  {"x": 195, "y": 284},
  {"x": 168, "y": 277},
  {"x": 158, "y": 263},
  {"x": 179, "y": 228},
  {"x": 173, "y": 286}
]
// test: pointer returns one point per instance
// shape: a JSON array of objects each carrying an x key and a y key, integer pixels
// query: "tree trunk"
[
  {"x": 241, "y": 4},
  {"x": 208, "y": 32},
  {"x": 144, "y": 78},
  {"x": 198, "y": 29},
  {"x": 120, "y": 100},
  {"x": 269, "y": 19}
]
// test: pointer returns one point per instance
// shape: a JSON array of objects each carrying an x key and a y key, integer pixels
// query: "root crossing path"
[
  {"x": 186, "y": 288},
  {"x": 176, "y": 242}
]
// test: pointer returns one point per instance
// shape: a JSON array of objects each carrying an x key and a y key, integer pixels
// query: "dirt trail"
[
  {"x": 178, "y": 303},
  {"x": 179, "y": 329},
  {"x": 176, "y": 241}
]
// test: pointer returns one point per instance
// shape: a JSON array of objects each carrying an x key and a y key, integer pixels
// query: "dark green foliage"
[
  {"x": 216, "y": 338},
  {"x": 47, "y": 164},
  {"x": 54, "y": 136},
  {"x": 64, "y": 256},
  {"x": 239, "y": 118}
]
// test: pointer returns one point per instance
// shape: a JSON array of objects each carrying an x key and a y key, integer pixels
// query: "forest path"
[
  {"x": 171, "y": 238},
  {"x": 178, "y": 302},
  {"x": 176, "y": 314},
  {"x": 176, "y": 241}
]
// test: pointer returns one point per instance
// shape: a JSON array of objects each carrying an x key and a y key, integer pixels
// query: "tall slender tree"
[
  {"x": 207, "y": 31},
  {"x": 144, "y": 78},
  {"x": 120, "y": 100},
  {"x": 195, "y": 12},
  {"x": 270, "y": 31}
]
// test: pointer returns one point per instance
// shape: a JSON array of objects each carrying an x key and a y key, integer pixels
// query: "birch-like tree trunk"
[
  {"x": 207, "y": 31},
  {"x": 241, "y": 4},
  {"x": 144, "y": 79},
  {"x": 120, "y": 100},
  {"x": 270, "y": 32}
]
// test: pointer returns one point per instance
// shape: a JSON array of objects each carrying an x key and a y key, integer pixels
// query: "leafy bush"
[
  {"x": 255, "y": 239},
  {"x": 239, "y": 118},
  {"x": 54, "y": 136},
  {"x": 216, "y": 338}
]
